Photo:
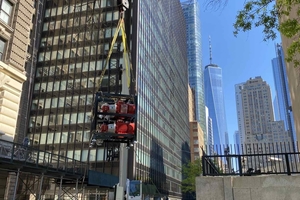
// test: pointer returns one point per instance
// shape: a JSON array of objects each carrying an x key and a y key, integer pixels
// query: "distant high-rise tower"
[
  {"x": 257, "y": 109},
  {"x": 191, "y": 9},
  {"x": 239, "y": 111},
  {"x": 237, "y": 141},
  {"x": 214, "y": 99},
  {"x": 258, "y": 117},
  {"x": 260, "y": 129},
  {"x": 276, "y": 108},
  {"x": 209, "y": 134},
  {"x": 282, "y": 91}
]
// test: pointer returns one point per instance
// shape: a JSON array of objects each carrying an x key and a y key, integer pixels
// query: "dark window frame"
[
  {"x": 2, "y": 51},
  {"x": 9, "y": 15}
]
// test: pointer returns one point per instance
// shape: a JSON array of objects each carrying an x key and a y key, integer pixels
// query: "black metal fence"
[{"x": 252, "y": 159}]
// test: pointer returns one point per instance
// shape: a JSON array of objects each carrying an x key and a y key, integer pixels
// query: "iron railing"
[
  {"x": 253, "y": 159},
  {"x": 24, "y": 155}
]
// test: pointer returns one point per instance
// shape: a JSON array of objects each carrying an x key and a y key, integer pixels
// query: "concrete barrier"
[{"x": 264, "y": 187}]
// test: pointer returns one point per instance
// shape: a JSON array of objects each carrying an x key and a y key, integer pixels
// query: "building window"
[
  {"x": 2, "y": 48},
  {"x": 6, "y": 10}
]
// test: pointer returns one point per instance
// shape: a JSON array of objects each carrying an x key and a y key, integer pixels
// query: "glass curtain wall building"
[
  {"x": 214, "y": 99},
  {"x": 282, "y": 92},
  {"x": 74, "y": 42},
  {"x": 191, "y": 9},
  {"x": 162, "y": 82}
]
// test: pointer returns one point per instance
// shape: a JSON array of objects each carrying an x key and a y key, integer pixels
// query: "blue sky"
[{"x": 241, "y": 57}]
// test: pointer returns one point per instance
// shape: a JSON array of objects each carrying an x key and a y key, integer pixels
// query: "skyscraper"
[
  {"x": 260, "y": 129},
  {"x": 239, "y": 111},
  {"x": 258, "y": 117},
  {"x": 74, "y": 44},
  {"x": 214, "y": 99},
  {"x": 209, "y": 134},
  {"x": 237, "y": 141},
  {"x": 282, "y": 92},
  {"x": 276, "y": 108},
  {"x": 257, "y": 110},
  {"x": 191, "y": 9}
]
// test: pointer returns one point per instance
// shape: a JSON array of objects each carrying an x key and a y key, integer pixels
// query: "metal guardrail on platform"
[
  {"x": 24, "y": 155},
  {"x": 253, "y": 159}
]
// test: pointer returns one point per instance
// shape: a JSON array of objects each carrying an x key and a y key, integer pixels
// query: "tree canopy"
[
  {"x": 272, "y": 16},
  {"x": 190, "y": 172}
]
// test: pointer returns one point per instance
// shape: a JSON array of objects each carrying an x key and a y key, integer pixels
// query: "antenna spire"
[{"x": 210, "y": 51}]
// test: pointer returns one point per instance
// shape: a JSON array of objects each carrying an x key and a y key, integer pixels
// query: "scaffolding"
[{"x": 32, "y": 171}]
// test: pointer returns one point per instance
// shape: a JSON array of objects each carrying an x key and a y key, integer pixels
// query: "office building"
[
  {"x": 196, "y": 133},
  {"x": 259, "y": 125},
  {"x": 276, "y": 108},
  {"x": 239, "y": 111},
  {"x": 191, "y": 97},
  {"x": 293, "y": 74},
  {"x": 74, "y": 42},
  {"x": 196, "y": 141},
  {"x": 214, "y": 100},
  {"x": 282, "y": 92},
  {"x": 237, "y": 142},
  {"x": 258, "y": 117},
  {"x": 257, "y": 110},
  {"x": 16, "y": 28},
  {"x": 191, "y": 9},
  {"x": 30, "y": 65},
  {"x": 209, "y": 134}
]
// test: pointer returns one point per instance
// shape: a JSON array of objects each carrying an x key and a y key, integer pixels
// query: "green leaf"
[{"x": 266, "y": 14}]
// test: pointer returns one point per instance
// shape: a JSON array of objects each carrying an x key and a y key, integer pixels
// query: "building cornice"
[{"x": 12, "y": 72}]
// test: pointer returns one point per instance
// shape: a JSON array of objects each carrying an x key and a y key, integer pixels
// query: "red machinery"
[
  {"x": 120, "y": 107},
  {"x": 120, "y": 127}
]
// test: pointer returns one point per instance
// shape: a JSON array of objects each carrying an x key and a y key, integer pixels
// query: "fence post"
[
  {"x": 203, "y": 166},
  {"x": 240, "y": 165},
  {"x": 287, "y": 164}
]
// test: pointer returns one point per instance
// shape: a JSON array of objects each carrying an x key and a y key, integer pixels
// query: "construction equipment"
[{"x": 114, "y": 115}]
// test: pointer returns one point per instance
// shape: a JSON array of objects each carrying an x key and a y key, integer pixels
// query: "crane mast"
[{"x": 113, "y": 114}]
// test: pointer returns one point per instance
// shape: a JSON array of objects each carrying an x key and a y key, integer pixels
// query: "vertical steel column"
[
  {"x": 60, "y": 185},
  {"x": 16, "y": 184},
  {"x": 41, "y": 185},
  {"x": 76, "y": 189},
  {"x": 96, "y": 194},
  {"x": 123, "y": 165}
]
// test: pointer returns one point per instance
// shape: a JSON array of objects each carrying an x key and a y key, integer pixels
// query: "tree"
[
  {"x": 190, "y": 172},
  {"x": 272, "y": 16}
]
